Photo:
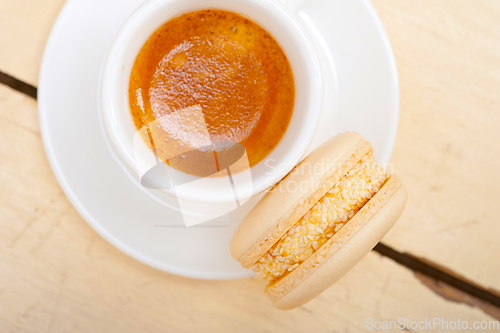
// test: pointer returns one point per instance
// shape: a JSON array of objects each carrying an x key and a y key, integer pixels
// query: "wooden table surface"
[{"x": 58, "y": 275}]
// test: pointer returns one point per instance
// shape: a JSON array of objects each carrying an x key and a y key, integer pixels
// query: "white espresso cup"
[{"x": 280, "y": 20}]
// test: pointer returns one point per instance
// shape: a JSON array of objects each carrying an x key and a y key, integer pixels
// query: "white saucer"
[{"x": 361, "y": 94}]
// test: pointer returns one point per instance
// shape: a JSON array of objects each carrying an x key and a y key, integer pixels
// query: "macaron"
[{"x": 320, "y": 220}]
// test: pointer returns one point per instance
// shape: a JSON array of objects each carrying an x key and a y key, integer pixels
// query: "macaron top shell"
[{"x": 295, "y": 194}]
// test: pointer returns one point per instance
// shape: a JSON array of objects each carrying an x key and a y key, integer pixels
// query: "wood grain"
[
  {"x": 448, "y": 146},
  {"x": 58, "y": 275},
  {"x": 447, "y": 149},
  {"x": 25, "y": 27}
]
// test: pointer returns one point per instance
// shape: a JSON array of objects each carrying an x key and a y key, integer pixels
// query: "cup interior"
[{"x": 272, "y": 16}]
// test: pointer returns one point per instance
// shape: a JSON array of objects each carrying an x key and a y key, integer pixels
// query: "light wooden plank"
[
  {"x": 447, "y": 150},
  {"x": 448, "y": 144},
  {"x": 25, "y": 27},
  {"x": 58, "y": 275}
]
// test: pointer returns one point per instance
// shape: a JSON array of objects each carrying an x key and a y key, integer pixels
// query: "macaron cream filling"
[{"x": 323, "y": 220}]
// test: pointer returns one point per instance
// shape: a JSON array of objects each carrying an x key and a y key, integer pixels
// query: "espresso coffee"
[{"x": 220, "y": 65}]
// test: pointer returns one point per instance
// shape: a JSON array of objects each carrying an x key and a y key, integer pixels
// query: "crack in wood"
[
  {"x": 441, "y": 280},
  {"x": 441, "y": 275},
  {"x": 18, "y": 85},
  {"x": 454, "y": 295}
]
